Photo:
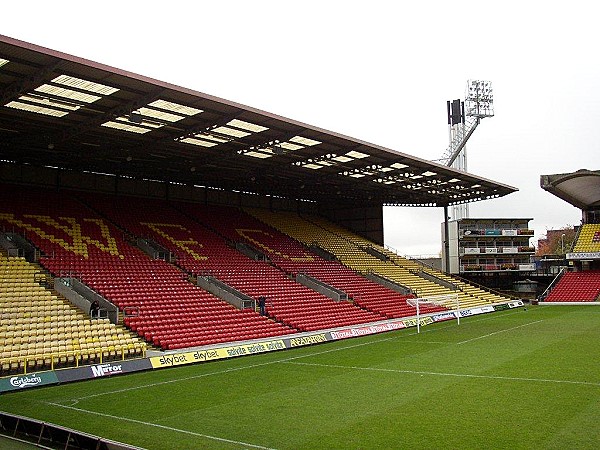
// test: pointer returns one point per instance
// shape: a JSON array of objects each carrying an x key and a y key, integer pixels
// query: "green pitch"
[{"x": 524, "y": 378}]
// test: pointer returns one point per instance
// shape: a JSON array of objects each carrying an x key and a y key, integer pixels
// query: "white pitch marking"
[
  {"x": 220, "y": 372},
  {"x": 498, "y": 332},
  {"x": 144, "y": 386},
  {"x": 164, "y": 427},
  {"x": 290, "y": 360},
  {"x": 444, "y": 374},
  {"x": 159, "y": 383}
]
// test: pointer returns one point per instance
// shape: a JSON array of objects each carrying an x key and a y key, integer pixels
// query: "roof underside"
[
  {"x": 57, "y": 110},
  {"x": 581, "y": 189}
]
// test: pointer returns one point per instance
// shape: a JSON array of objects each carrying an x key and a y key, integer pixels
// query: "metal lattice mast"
[{"x": 463, "y": 119}]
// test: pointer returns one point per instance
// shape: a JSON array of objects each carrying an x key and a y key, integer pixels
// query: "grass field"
[{"x": 524, "y": 378}]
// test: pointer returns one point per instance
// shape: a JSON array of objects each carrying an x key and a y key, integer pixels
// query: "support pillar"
[{"x": 446, "y": 241}]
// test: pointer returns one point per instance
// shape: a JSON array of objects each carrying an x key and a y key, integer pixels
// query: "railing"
[
  {"x": 496, "y": 232},
  {"x": 459, "y": 140},
  {"x": 464, "y": 280},
  {"x": 47, "y": 435},
  {"x": 225, "y": 292},
  {"x": 575, "y": 239},
  {"x": 525, "y": 267},
  {"x": 321, "y": 287},
  {"x": 390, "y": 284},
  {"x": 396, "y": 252},
  {"x": 505, "y": 250},
  {"x": 483, "y": 287},
  {"x": 552, "y": 283}
]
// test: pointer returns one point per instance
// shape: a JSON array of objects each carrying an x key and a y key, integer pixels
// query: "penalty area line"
[{"x": 164, "y": 427}]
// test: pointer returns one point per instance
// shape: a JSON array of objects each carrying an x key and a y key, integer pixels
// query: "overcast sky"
[{"x": 325, "y": 62}]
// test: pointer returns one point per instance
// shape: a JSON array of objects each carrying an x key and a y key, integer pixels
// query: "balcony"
[
  {"x": 496, "y": 232},
  {"x": 506, "y": 267},
  {"x": 496, "y": 250}
]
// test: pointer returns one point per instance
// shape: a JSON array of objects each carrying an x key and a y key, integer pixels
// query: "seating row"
[{"x": 576, "y": 287}]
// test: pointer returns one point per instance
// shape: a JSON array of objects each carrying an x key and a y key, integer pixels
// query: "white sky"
[{"x": 323, "y": 62}]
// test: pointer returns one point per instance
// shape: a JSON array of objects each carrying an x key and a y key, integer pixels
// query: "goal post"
[{"x": 448, "y": 301}]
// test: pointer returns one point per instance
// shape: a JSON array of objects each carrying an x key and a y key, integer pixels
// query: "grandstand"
[
  {"x": 367, "y": 257},
  {"x": 576, "y": 287},
  {"x": 93, "y": 238},
  {"x": 588, "y": 240},
  {"x": 582, "y": 282},
  {"x": 178, "y": 211},
  {"x": 39, "y": 330}
]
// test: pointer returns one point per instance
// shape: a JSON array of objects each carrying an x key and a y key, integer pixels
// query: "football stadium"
[{"x": 181, "y": 271}]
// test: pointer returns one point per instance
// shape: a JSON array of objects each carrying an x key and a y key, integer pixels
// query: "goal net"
[{"x": 448, "y": 301}]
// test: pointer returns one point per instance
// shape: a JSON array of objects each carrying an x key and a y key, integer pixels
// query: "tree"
[{"x": 557, "y": 242}]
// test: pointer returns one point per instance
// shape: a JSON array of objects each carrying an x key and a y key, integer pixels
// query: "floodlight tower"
[{"x": 463, "y": 118}]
